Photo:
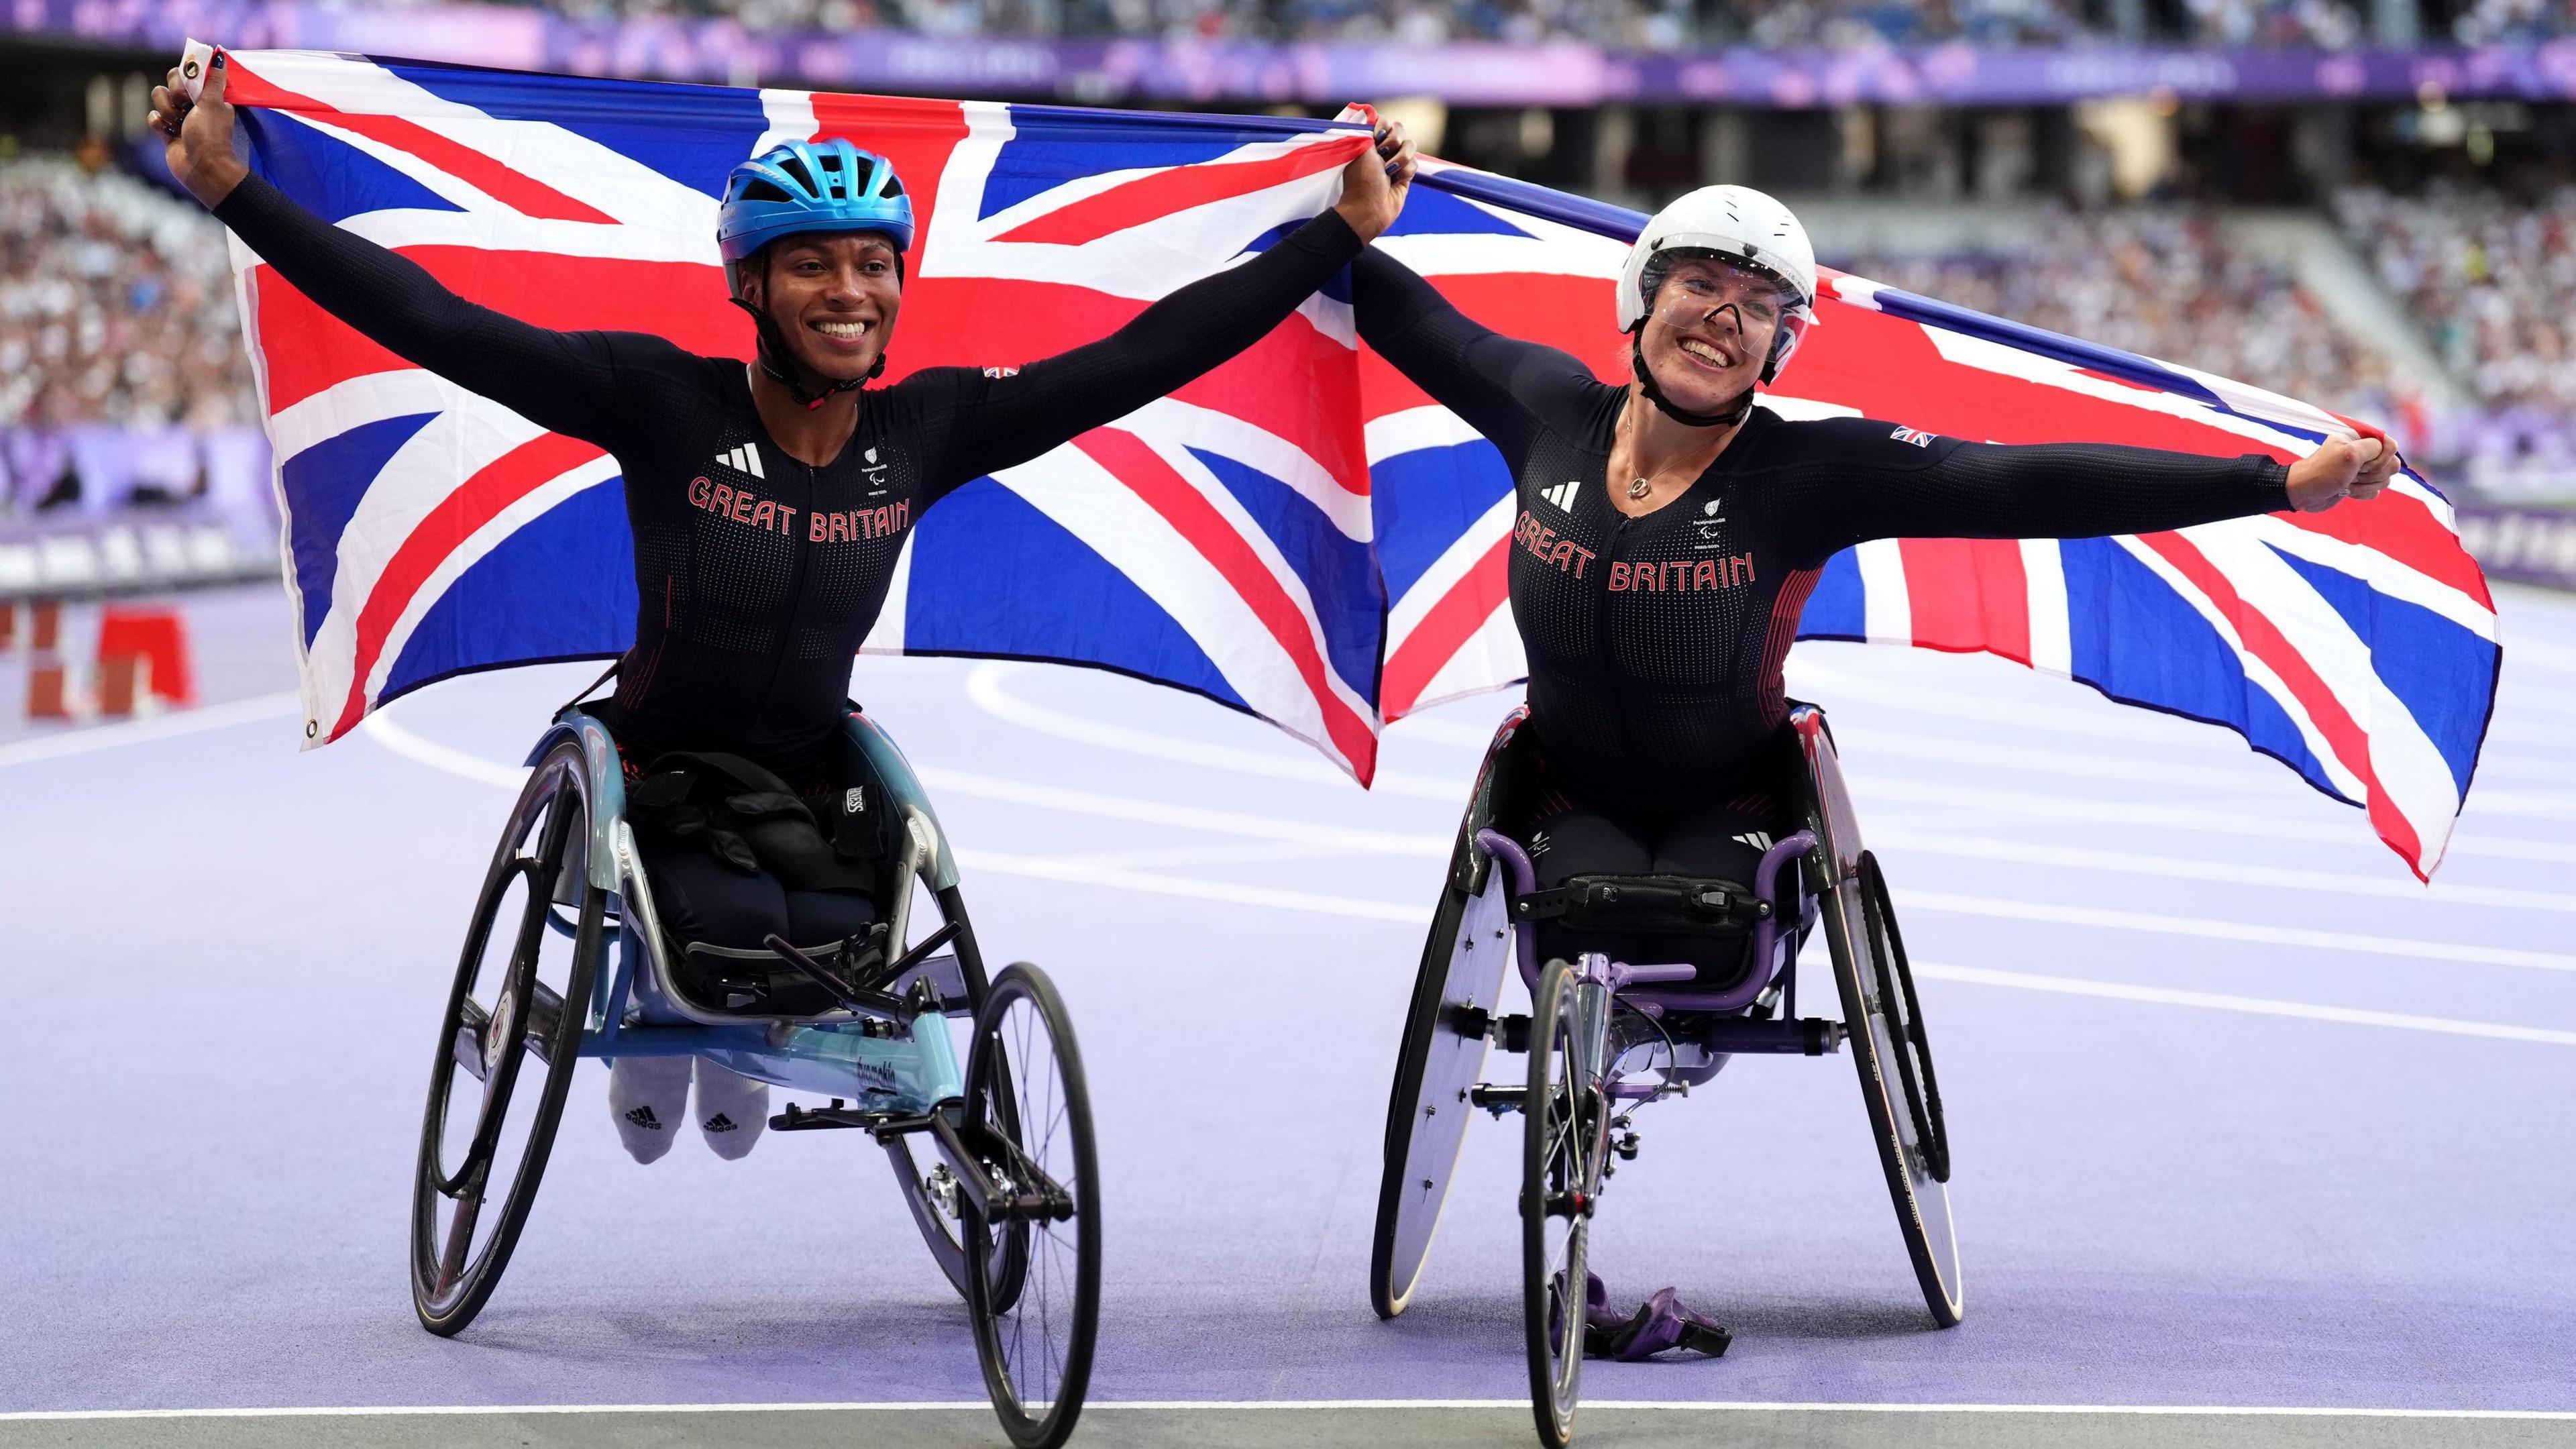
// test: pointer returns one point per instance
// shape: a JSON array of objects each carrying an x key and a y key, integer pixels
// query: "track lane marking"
[
  {"x": 1686, "y": 1406},
  {"x": 1082, "y": 870},
  {"x": 80, "y": 741},
  {"x": 2252, "y": 1005}
]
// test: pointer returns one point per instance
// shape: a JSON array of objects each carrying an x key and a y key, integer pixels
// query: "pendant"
[{"x": 1638, "y": 489}]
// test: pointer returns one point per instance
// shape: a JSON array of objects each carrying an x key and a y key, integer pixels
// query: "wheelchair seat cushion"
[
  {"x": 1660, "y": 903},
  {"x": 748, "y": 818}
]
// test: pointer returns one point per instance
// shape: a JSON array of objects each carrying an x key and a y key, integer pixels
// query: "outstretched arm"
[
  {"x": 565, "y": 381},
  {"x": 1872, "y": 480},
  {"x": 997, "y": 421},
  {"x": 1501, "y": 386}
]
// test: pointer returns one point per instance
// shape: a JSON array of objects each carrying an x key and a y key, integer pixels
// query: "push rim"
[
  {"x": 1922, "y": 1203},
  {"x": 1913, "y": 1048},
  {"x": 1442, "y": 1055},
  {"x": 1037, "y": 1317},
  {"x": 515, "y": 1008},
  {"x": 1557, "y": 1185}
]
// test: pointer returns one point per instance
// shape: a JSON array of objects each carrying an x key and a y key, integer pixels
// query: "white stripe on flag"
[
  {"x": 1887, "y": 611},
  {"x": 1412, "y": 429},
  {"x": 2043, "y": 572},
  {"x": 1463, "y": 553}
]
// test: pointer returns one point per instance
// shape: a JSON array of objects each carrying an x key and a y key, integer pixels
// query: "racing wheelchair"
[
  {"x": 1605, "y": 1037},
  {"x": 996, "y": 1160}
]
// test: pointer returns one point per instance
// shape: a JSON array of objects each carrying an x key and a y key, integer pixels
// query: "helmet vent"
[
  {"x": 795, "y": 167},
  {"x": 761, "y": 191},
  {"x": 893, "y": 186}
]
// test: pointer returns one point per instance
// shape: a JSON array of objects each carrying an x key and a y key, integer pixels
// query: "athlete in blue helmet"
[{"x": 768, "y": 503}]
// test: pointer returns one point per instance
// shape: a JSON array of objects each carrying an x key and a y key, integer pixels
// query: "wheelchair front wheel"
[
  {"x": 1033, "y": 1279},
  {"x": 516, "y": 1007},
  {"x": 1565, "y": 1140}
]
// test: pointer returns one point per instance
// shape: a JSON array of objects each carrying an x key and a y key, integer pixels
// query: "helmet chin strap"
[
  {"x": 775, "y": 360},
  {"x": 1734, "y": 412}
]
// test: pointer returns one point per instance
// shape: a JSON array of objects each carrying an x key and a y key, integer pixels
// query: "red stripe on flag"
[
  {"x": 309, "y": 350},
  {"x": 1197, "y": 521},
  {"x": 2405, "y": 529},
  {"x": 1151, "y": 197},
  {"x": 2264, "y": 640},
  {"x": 1445, "y": 629},
  {"x": 516, "y": 190},
  {"x": 476, "y": 502},
  {"x": 1968, "y": 594}
]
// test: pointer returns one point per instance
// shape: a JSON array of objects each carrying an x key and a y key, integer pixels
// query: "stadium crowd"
[
  {"x": 122, "y": 376},
  {"x": 2165, "y": 284},
  {"x": 1619, "y": 24},
  {"x": 2493, "y": 284}
]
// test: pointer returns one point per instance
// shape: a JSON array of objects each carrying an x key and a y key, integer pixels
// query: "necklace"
[{"x": 1640, "y": 488}]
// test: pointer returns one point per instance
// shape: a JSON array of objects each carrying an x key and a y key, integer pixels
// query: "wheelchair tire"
[
  {"x": 1025, "y": 1088},
  {"x": 1461, "y": 980},
  {"x": 1875, "y": 996},
  {"x": 1564, "y": 1146},
  {"x": 1905, "y": 1012},
  {"x": 524, "y": 1002}
]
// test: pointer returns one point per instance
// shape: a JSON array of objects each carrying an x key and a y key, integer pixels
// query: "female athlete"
[
  {"x": 1670, "y": 530},
  {"x": 768, "y": 503}
]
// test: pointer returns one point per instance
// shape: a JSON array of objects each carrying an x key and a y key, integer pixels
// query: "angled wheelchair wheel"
[
  {"x": 1565, "y": 1139},
  {"x": 508, "y": 1045},
  {"x": 1034, "y": 1285},
  {"x": 1895, "y": 1065},
  {"x": 1442, "y": 1054}
]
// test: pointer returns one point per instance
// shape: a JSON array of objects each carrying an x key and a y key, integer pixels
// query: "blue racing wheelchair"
[
  {"x": 1604, "y": 1037},
  {"x": 565, "y": 959}
]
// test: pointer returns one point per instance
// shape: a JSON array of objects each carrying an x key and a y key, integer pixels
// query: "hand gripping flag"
[{"x": 1300, "y": 534}]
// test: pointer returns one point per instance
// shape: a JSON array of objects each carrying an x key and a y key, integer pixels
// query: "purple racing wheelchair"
[{"x": 1605, "y": 1037}]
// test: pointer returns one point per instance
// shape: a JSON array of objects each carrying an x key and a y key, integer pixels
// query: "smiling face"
[
  {"x": 1708, "y": 330},
  {"x": 833, "y": 298}
]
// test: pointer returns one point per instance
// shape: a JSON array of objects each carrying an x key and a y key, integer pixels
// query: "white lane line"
[
  {"x": 1081, "y": 872},
  {"x": 1247, "y": 852},
  {"x": 1680, "y": 1406},
  {"x": 984, "y": 686},
  {"x": 1184, "y": 817},
  {"x": 2253, "y": 1005},
  {"x": 2161, "y": 924},
  {"x": 1092, "y": 871},
  {"x": 159, "y": 727},
  {"x": 381, "y": 728},
  {"x": 2197, "y": 819},
  {"x": 2225, "y": 872}
]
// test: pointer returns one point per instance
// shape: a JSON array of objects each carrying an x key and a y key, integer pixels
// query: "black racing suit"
[
  {"x": 757, "y": 576},
  {"x": 1655, "y": 643}
]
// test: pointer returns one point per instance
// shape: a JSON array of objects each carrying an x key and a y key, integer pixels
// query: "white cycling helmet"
[{"x": 1739, "y": 223}]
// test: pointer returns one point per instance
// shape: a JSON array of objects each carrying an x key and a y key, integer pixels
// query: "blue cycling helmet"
[{"x": 811, "y": 186}]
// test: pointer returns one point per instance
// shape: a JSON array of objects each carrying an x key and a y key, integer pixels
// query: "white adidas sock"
[
  {"x": 648, "y": 1097},
  {"x": 733, "y": 1110}
]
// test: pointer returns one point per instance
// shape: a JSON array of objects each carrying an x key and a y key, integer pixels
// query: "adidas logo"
[
  {"x": 745, "y": 459},
  {"x": 1562, "y": 495},
  {"x": 720, "y": 1123},
  {"x": 643, "y": 1117},
  {"x": 1759, "y": 839}
]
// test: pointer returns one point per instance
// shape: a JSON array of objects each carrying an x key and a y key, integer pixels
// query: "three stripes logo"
[
  {"x": 1562, "y": 495},
  {"x": 745, "y": 459}
]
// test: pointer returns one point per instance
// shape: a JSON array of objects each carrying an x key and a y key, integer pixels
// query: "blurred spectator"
[
  {"x": 1616, "y": 24},
  {"x": 2492, "y": 281},
  {"x": 120, "y": 347},
  {"x": 2168, "y": 286}
]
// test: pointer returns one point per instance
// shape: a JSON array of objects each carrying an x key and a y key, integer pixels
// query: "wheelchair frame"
[
  {"x": 1819, "y": 877},
  {"x": 883, "y": 1055}
]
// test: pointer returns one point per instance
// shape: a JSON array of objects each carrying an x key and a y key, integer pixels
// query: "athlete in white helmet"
[{"x": 1670, "y": 529}]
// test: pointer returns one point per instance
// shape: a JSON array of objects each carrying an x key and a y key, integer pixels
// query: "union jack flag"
[
  {"x": 2357, "y": 646},
  {"x": 1301, "y": 534}
]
